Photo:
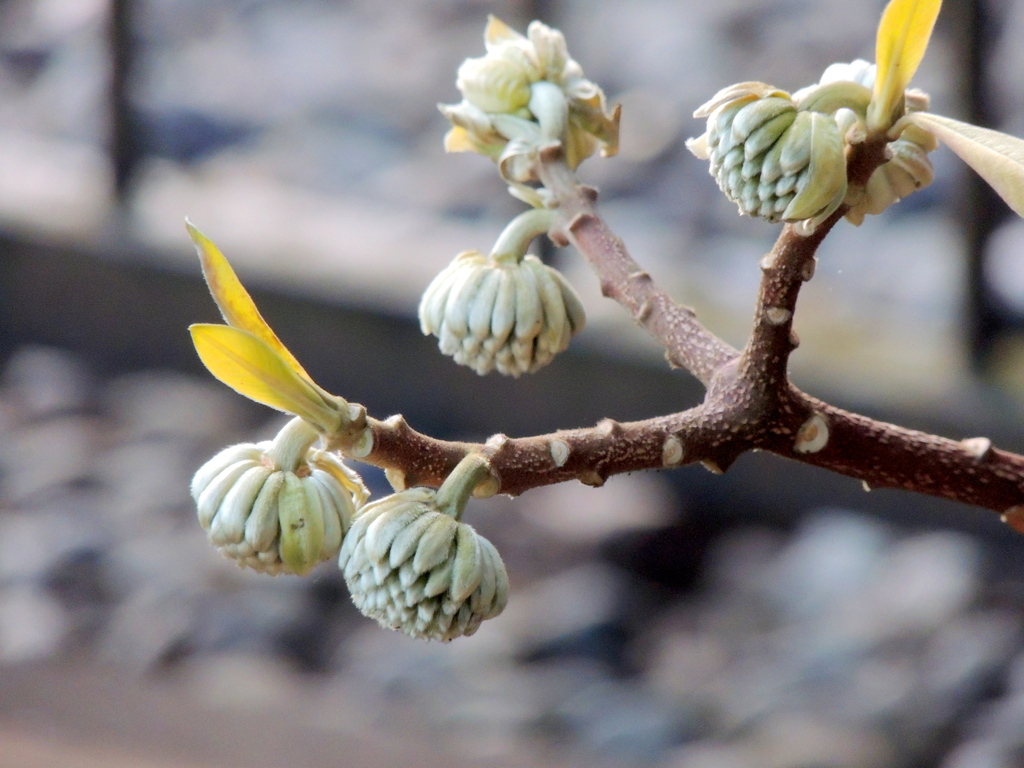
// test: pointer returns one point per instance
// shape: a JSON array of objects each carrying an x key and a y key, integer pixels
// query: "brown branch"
[
  {"x": 589, "y": 455},
  {"x": 687, "y": 342},
  {"x": 750, "y": 402},
  {"x": 888, "y": 456}
]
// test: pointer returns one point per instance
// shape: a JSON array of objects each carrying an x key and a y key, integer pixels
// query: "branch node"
[
  {"x": 1014, "y": 517},
  {"x": 978, "y": 447},
  {"x": 608, "y": 427},
  {"x": 712, "y": 466},
  {"x": 794, "y": 340},
  {"x": 813, "y": 435},
  {"x": 807, "y": 270},
  {"x": 767, "y": 261},
  {"x": 579, "y": 221},
  {"x": 559, "y": 452},
  {"x": 865, "y": 486},
  {"x": 644, "y": 312},
  {"x": 495, "y": 444},
  {"x": 550, "y": 153},
  {"x": 777, "y": 315},
  {"x": 397, "y": 423},
  {"x": 592, "y": 478},
  {"x": 558, "y": 237},
  {"x": 672, "y": 451},
  {"x": 588, "y": 193}
]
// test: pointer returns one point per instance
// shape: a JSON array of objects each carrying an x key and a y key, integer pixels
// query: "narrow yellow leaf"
[
  {"x": 236, "y": 306},
  {"x": 253, "y": 368},
  {"x": 903, "y": 36},
  {"x": 997, "y": 157}
]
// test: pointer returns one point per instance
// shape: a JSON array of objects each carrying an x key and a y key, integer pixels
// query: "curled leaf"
[{"x": 997, "y": 157}]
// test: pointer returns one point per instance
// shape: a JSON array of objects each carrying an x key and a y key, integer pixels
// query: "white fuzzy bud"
[
  {"x": 771, "y": 159},
  {"x": 490, "y": 313},
  {"x": 503, "y": 84},
  {"x": 907, "y": 171},
  {"x": 273, "y": 518},
  {"x": 416, "y": 569}
]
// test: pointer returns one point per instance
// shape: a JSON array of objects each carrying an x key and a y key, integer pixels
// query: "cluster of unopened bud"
[
  {"x": 413, "y": 566},
  {"x": 282, "y": 506},
  {"x": 526, "y": 92},
  {"x": 907, "y": 168},
  {"x": 277, "y": 506},
  {"x": 773, "y": 160},
  {"x": 509, "y": 314},
  {"x": 782, "y": 157}
]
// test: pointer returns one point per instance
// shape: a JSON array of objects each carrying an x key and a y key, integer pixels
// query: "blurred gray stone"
[
  {"x": 564, "y": 604},
  {"x": 926, "y": 580},
  {"x": 147, "y": 478},
  {"x": 979, "y": 754},
  {"x": 242, "y": 682},
  {"x": 150, "y": 623},
  {"x": 32, "y": 624},
  {"x": 621, "y": 724},
  {"x": 578, "y": 513},
  {"x": 959, "y": 658},
  {"x": 42, "y": 381},
  {"x": 833, "y": 556},
  {"x": 166, "y": 404},
  {"x": 791, "y": 741},
  {"x": 43, "y": 456},
  {"x": 31, "y": 543}
]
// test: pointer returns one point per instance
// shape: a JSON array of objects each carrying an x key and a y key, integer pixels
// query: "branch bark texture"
[{"x": 750, "y": 402}]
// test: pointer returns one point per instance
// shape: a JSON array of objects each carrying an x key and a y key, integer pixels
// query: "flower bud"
[
  {"x": 771, "y": 159},
  {"x": 499, "y": 81},
  {"x": 415, "y": 568},
  {"x": 273, "y": 516},
  {"x": 907, "y": 171},
  {"x": 490, "y": 312},
  {"x": 504, "y": 84}
]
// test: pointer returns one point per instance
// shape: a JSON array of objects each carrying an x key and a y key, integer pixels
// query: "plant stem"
[{"x": 291, "y": 443}]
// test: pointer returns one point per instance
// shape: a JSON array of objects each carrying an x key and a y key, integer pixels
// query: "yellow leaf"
[
  {"x": 903, "y": 35},
  {"x": 997, "y": 157},
  {"x": 457, "y": 140},
  {"x": 253, "y": 368},
  {"x": 498, "y": 32},
  {"x": 235, "y": 304}
]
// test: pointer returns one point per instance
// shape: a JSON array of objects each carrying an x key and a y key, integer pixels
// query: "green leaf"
[
  {"x": 251, "y": 367},
  {"x": 997, "y": 157},
  {"x": 903, "y": 35}
]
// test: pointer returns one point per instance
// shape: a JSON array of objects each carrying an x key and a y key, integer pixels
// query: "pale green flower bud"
[
  {"x": 907, "y": 171},
  {"x": 499, "y": 81},
  {"x": 411, "y": 565},
  {"x": 490, "y": 312},
  {"x": 857, "y": 71},
  {"x": 772, "y": 160},
  {"x": 504, "y": 83},
  {"x": 278, "y": 506}
]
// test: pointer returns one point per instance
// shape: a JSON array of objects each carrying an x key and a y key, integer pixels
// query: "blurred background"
[{"x": 776, "y": 617}]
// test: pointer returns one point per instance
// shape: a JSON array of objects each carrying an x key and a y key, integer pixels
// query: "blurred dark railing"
[
  {"x": 125, "y": 141},
  {"x": 981, "y": 211}
]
